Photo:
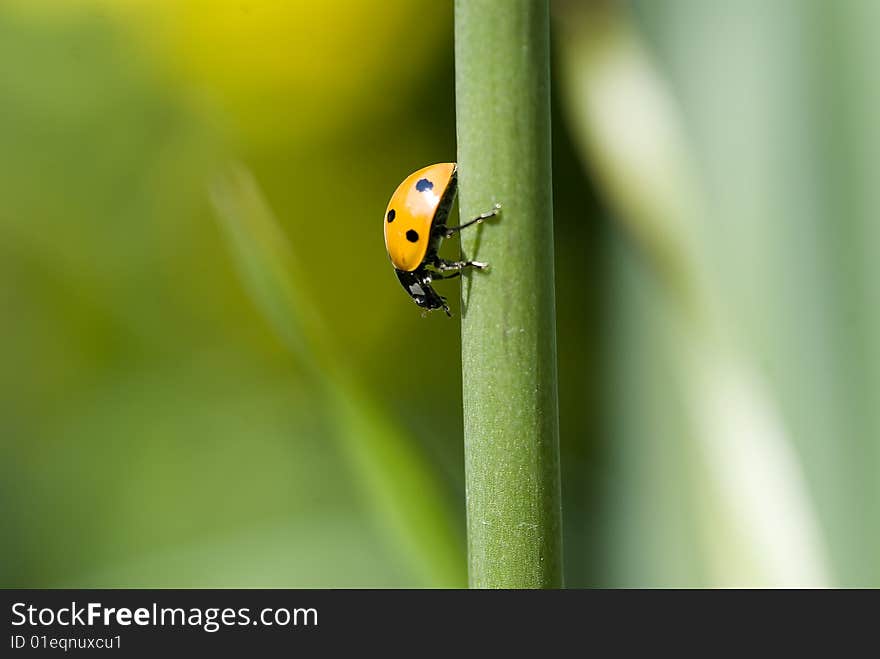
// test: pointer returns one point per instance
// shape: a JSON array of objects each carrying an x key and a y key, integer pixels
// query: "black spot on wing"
[
  {"x": 412, "y": 236},
  {"x": 391, "y": 215},
  {"x": 424, "y": 184}
]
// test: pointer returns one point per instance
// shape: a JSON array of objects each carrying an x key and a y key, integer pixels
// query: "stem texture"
[{"x": 511, "y": 428}]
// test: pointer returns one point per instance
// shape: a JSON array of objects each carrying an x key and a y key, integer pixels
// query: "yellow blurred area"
[
  {"x": 280, "y": 70},
  {"x": 128, "y": 307}
]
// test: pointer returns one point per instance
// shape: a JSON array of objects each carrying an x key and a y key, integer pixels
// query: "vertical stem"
[{"x": 508, "y": 330}]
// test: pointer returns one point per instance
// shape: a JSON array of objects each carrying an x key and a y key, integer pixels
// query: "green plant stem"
[{"x": 511, "y": 426}]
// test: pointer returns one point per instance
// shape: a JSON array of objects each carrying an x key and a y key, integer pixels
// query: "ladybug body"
[{"x": 415, "y": 226}]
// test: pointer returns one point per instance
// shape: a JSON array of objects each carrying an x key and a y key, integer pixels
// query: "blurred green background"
[{"x": 211, "y": 377}]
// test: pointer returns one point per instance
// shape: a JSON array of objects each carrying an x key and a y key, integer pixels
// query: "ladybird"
[{"x": 415, "y": 225}]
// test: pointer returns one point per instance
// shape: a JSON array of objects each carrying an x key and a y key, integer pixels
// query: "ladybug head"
[{"x": 418, "y": 284}]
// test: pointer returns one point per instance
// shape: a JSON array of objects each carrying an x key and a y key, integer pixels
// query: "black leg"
[
  {"x": 440, "y": 275},
  {"x": 446, "y": 231},
  {"x": 456, "y": 266}
]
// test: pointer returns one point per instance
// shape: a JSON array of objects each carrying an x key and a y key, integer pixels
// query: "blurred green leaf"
[
  {"x": 740, "y": 456},
  {"x": 407, "y": 501}
]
